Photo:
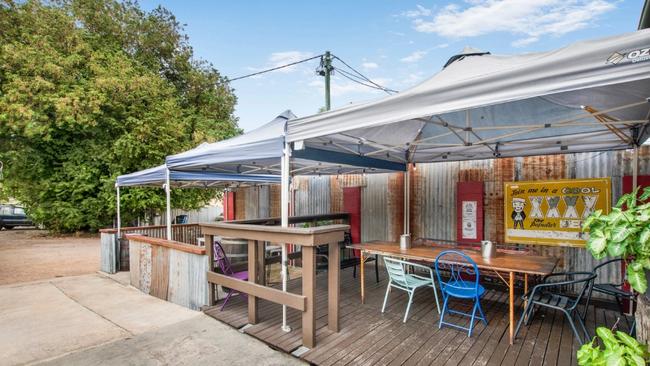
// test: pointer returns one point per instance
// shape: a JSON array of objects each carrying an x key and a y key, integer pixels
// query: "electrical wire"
[
  {"x": 275, "y": 68},
  {"x": 387, "y": 90},
  {"x": 351, "y": 78}
]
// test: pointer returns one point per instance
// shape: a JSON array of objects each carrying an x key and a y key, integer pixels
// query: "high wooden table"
[
  {"x": 509, "y": 263},
  {"x": 308, "y": 239}
]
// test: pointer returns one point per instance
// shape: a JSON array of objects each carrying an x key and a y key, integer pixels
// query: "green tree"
[{"x": 91, "y": 89}]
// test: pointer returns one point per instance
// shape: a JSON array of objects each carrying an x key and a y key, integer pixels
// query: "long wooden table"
[{"x": 509, "y": 263}]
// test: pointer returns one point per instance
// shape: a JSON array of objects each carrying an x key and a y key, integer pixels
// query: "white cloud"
[
  {"x": 369, "y": 65},
  {"x": 414, "y": 57},
  {"x": 530, "y": 19},
  {"x": 442, "y": 45},
  {"x": 420, "y": 11}
]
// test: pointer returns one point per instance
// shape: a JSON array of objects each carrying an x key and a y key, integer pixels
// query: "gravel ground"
[{"x": 30, "y": 255}]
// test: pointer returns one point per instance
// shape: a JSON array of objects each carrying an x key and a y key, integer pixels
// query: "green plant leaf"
[
  {"x": 585, "y": 354},
  {"x": 607, "y": 337},
  {"x": 615, "y": 249},
  {"x": 624, "y": 198},
  {"x": 645, "y": 194},
  {"x": 620, "y": 233},
  {"x": 597, "y": 242},
  {"x": 635, "y": 360},
  {"x": 645, "y": 235},
  {"x": 630, "y": 342},
  {"x": 636, "y": 277}
]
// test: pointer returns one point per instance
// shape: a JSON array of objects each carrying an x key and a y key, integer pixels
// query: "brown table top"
[{"x": 503, "y": 262}]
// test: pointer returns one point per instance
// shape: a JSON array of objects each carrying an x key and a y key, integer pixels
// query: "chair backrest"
[
  {"x": 462, "y": 270},
  {"x": 396, "y": 272},
  {"x": 222, "y": 259},
  {"x": 582, "y": 282},
  {"x": 181, "y": 219}
]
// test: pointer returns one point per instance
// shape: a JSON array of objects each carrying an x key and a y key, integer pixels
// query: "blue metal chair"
[
  {"x": 409, "y": 282},
  {"x": 463, "y": 283}
]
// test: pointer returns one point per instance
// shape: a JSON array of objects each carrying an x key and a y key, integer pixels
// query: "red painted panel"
[
  {"x": 352, "y": 205},
  {"x": 228, "y": 206},
  {"x": 466, "y": 192}
]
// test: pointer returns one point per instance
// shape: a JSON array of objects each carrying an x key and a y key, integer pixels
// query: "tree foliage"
[
  {"x": 624, "y": 232},
  {"x": 91, "y": 89}
]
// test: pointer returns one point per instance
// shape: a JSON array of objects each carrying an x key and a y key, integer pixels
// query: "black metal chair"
[
  {"x": 612, "y": 289},
  {"x": 551, "y": 293}
]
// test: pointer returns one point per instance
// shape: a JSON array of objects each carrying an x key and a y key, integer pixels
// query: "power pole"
[{"x": 326, "y": 71}]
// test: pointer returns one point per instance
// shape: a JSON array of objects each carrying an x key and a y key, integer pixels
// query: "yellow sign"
[{"x": 551, "y": 212}]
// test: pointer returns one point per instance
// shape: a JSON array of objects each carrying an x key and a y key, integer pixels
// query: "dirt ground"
[{"x": 29, "y": 255}]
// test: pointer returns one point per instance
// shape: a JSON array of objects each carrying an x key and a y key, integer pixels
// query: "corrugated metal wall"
[{"x": 433, "y": 195}]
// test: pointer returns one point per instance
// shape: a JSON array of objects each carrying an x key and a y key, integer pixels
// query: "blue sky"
[{"x": 396, "y": 43}]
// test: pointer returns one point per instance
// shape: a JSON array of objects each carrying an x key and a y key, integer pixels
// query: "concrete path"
[{"x": 93, "y": 319}]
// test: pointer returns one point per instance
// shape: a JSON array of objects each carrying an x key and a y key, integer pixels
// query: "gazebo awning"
[
  {"x": 156, "y": 177},
  {"x": 259, "y": 152},
  {"x": 588, "y": 96}
]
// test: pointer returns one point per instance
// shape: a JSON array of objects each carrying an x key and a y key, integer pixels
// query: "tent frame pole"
[
  {"x": 284, "y": 210},
  {"x": 119, "y": 220},
  {"x": 407, "y": 203},
  {"x": 635, "y": 167},
  {"x": 168, "y": 216}
]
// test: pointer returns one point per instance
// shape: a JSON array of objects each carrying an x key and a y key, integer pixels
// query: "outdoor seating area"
[{"x": 371, "y": 338}]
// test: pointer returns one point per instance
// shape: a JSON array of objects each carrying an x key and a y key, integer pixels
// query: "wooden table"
[
  {"x": 255, "y": 287},
  {"x": 509, "y": 263}
]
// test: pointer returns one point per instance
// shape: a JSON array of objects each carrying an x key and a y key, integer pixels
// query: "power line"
[
  {"x": 275, "y": 68},
  {"x": 387, "y": 90},
  {"x": 352, "y": 78}
]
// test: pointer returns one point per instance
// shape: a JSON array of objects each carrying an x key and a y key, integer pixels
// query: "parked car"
[{"x": 12, "y": 216}]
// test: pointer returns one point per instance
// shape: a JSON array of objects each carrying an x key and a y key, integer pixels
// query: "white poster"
[{"x": 469, "y": 219}]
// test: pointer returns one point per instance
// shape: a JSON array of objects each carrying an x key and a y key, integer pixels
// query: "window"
[
  {"x": 19, "y": 211},
  {"x": 5, "y": 210}
]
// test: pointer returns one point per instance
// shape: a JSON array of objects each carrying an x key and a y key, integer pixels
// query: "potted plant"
[
  {"x": 615, "y": 349},
  {"x": 625, "y": 233}
]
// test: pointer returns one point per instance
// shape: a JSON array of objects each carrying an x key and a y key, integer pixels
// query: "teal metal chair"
[
  {"x": 462, "y": 283},
  {"x": 400, "y": 278}
]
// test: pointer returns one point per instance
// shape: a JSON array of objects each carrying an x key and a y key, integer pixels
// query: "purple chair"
[{"x": 224, "y": 264}]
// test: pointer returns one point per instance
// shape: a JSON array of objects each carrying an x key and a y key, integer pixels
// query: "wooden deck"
[{"x": 368, "y": 337}]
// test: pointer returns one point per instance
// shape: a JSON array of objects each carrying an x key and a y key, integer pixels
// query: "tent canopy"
[
  {"x": 588, "y": 96},
  {"x": 259, "y": 152},
  {"x": 156, "y": 177}
]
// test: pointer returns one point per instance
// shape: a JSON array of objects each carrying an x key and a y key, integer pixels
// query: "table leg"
[
  {"x": 362, "y": 276},
  {"x": 511, "y": 286},
  {"x": 212, "y": 288},
  {"x": 309, "y": 291},
  {"x": 333, "y": 286},
  {"x": 253, "y": 249}
]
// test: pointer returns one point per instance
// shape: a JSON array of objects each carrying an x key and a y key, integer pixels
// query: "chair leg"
[
  {"x": 386, "y": 297},
  {"x": 377, "y": 268},
  {"x": 569, "y": 318},
  {"x": 523, "y": 316},
  {"x": 480, "y": 310},
  {"x": 435, "y": 294},
  {"x": 444, "y": 310},
  {"x": 471, "y": 321},
  {"x": 408, "y": 307},
  {"x": 225, "y": 301},
  {"x": 582, "y": 325}
]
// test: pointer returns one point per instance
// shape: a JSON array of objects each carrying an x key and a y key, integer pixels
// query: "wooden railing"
[
  {"x": 184, "y": 233},
  {"x": 309, "y": 239}
]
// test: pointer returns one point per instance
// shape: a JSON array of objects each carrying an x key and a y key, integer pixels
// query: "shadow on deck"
[{"x": 368, "y": 337}]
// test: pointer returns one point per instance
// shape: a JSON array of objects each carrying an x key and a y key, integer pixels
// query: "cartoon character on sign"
[{"x": 518, "y": 215}]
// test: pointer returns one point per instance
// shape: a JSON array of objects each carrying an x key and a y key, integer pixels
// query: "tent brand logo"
[{"x": 634, "y": 56}]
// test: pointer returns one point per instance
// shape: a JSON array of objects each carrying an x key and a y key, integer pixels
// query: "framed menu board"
[{"x": 551, "y": 212}]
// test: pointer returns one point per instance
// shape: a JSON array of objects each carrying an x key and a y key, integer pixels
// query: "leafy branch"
[{"x": 624, "y": 232}]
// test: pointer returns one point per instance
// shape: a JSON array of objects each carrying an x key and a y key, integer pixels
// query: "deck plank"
[{"x": 368, "y": 337}]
